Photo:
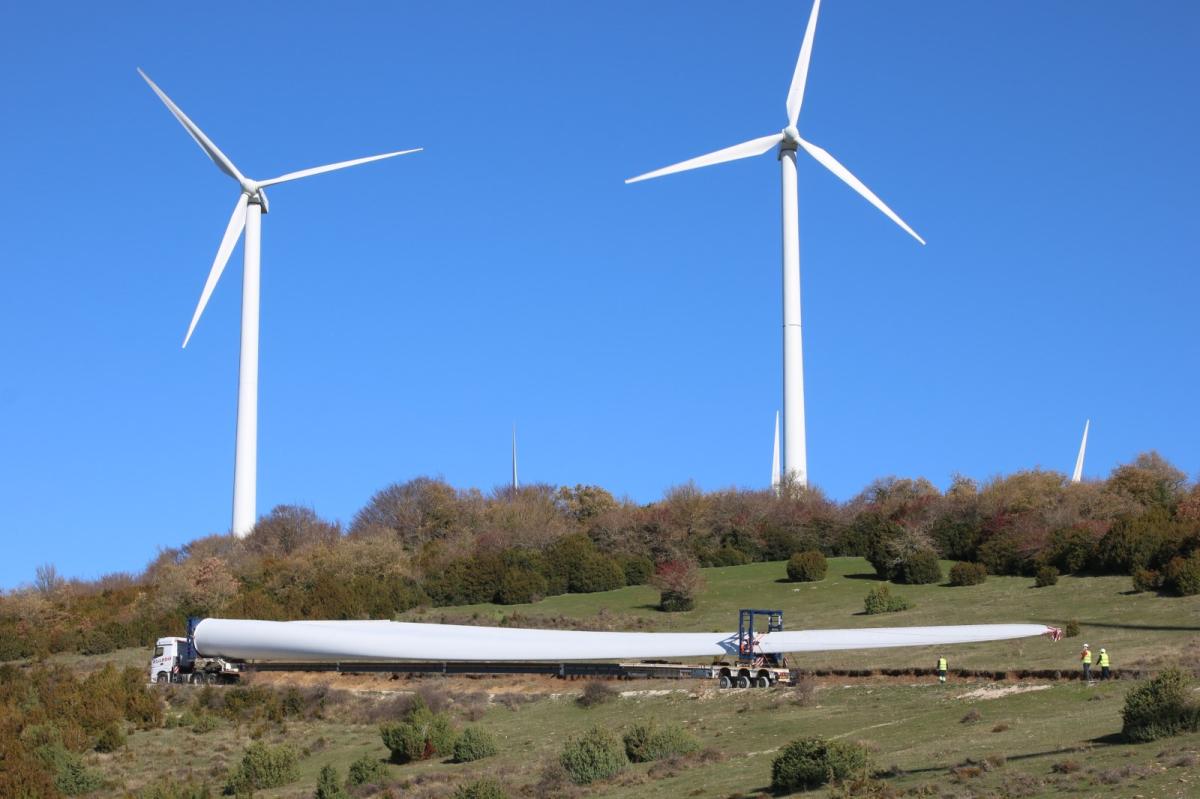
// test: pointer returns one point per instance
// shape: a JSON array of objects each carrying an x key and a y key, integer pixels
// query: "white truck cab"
[{"x": 165, "y": 662}]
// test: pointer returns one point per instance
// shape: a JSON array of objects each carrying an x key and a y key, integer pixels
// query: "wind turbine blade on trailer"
[
  {"x": 795, "y": 97},
  {"x": 833, "y": 165},
  {"x": 206, "y": 144},
  {"x": 317, "y": 170},
  {"x": 233, "y": 232},
  {"x": 744, "y": 150}
]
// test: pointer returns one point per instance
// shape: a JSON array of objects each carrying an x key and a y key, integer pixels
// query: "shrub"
[
  {"x": 647, "y": 742},
  {"x": 366, "y": 770},
  {"x": 1147, "y": 580},
  {"x": 111, "y": 738},
  {"x": 481, "y": 789},
  {"x": 1160, "y": 707},
  {"x": 595, "y": 755},
  {"x": 880, "y": 600},
  {"x": 1182, "y": 575},
  {"x": 920, "y": 567},
  {"x": 474, "y": 744},
  {"x": 263, "y": 766},
  {"x": 811, "y": 762},
  {"x": 807, "y": 567},
  {"x": 967, "y": 573},
  {"x": 421, "y": 735},
  {"x": 596, "y": 692},
  {"x": 1071, "y": 628},
  {"x": 329, "y": 786},
  {"x": 518, "y": 586},
  {"x": 1046, "y": 576},
  {"x": 679, "y": 581},
  {"x": 597, "y": 573},
  {"x": 638, "y": 569}
]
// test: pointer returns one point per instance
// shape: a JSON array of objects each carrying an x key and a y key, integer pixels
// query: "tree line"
[{"x": 426, "y": 543}]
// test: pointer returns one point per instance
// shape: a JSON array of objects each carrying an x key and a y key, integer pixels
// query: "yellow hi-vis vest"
[
  {"x": 941, "y": 664},
  {"x": 1087, "y": 656},
  {"x": 1104, "y": 660}
]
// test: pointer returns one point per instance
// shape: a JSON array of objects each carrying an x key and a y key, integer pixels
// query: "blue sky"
[{"x": 414, "y": 309}]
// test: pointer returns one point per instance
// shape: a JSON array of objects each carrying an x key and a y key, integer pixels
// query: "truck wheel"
[
  {"x": 763, "y": 682},
  {"x": 196, "y": 678},
  {"x": 161, "y": 677},
  {"x": 743, "y": 681},
  {"x": 725, "y": 682}
]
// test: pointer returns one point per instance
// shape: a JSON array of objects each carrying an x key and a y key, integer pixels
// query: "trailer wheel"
[
  {"x": 763, "y": 682},
  {"x": 725, "y": 682},
  {"x": 161, "y": 677},
  {"x": 743, "y": 681}
]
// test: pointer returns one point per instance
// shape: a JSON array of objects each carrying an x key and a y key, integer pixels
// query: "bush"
[
  {"x": 111, "y": 738},
  {"x": 1161, "y": 707},
  {"x": 481, "y": 789},
  {"x": 811, "y": 762},
  {"x": 596, "y": 692},
  {"x": 679, "y": 581},
  {"x": 967, "y": 573},
  {"x": 1147, "y": 580},
  {"x": 366, "y": 770},
  {"x": 595, "y": 755},
  {"x": 518, "y": 586},
  {"x": 1182, "y": 575},
  {"x": 597, "y": 573},
  {"x": 263, "y": 766},
  {"x": 647, "y": 742},
  {"x": 1046, "y": 576},
  {"x": 918, "y": 568},
  {"x": 1071, "y": 628},
  {"x": 421, "y": 735},
  {"x": 880, "y": 600},
  {"x": 807, "y": 567},
  {"x": 638, "y": 569},
  {"x": 474, "y": 744},
  {"x": 329, "y": 786}
]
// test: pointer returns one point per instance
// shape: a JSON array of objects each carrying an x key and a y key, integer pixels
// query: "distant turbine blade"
[
  {"x": 795, "y": 96},
  {"x": 743, "y": 150},
  {"x": 228, "y": 242},
  {"x": 1078, "y": 475},
  {"x": 316, "y": 170},
  {"x": 775, "y": 457},
  {"x": 832, "y": 164},
  {"x": 211, "y": 150}
]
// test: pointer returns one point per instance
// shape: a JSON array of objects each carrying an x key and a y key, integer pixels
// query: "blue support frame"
[{"x": 746, "y": 618}]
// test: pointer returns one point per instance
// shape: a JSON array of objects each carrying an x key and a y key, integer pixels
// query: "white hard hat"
[
  {"x": 1101, "y": 649},
  {"x": 1085, "y": 646}
]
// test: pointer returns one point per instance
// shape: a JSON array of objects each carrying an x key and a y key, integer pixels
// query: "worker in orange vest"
[{"x": 1085, "y": 658}]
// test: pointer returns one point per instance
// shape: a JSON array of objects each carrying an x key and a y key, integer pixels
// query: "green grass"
[{"x": 1139, "y": 630}]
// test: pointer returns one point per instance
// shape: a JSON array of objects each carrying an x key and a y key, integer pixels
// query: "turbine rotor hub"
[{"x": 791, "y": 136}]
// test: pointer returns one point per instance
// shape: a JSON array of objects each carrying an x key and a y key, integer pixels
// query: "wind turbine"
[
  {"x": 794, "y": 447},
  {"x": 247, "y": 213},
  {"x": 1078, "y": 474}
]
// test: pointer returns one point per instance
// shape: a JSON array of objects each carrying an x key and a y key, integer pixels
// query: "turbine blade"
[
  {"x": 316, "y": 170},
  {"x": 795, "y": 97},
  {"x": 1077, "y": 476},
  {"x": 743, "y": 150},
  {"x": 206, "y": 144},
  {"x": 833, "y": 165},
  {"x": 232, "y": 232}
]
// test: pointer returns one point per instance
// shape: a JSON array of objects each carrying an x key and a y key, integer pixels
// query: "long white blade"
[
  {"x": 795, "y": 97},
  {"x": 211, "y": 150},
  {"x": 316, "y": 170},
  {"x": 1078, "y": 475},
  {"x": 743, "y": 150},
  {"x": 319, "y": 641},
  {"x": 228, "y": 242},
  {"x": 832, "y": 164}
]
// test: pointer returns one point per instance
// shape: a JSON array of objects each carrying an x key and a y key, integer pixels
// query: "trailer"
[{"x": 176, "y": 660}]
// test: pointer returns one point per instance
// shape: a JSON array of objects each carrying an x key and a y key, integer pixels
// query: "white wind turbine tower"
[
  {"x": 775, "y": 458},
  {"x": 247, "y": 213},
  {"x": 1078, "y": 474},
  {"x": 794, "y": 447}
]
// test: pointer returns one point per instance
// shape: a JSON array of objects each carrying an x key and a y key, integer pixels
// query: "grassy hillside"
[
  {"x": 1143, "y": 630},
  {"x": 1037, "y": 740}
]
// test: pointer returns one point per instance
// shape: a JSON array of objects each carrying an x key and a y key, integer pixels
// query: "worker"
[
  {"x": 1104, "y": 670},
  {"x": 1085, "y": 657},
  {"x": 941, "y": 669}
]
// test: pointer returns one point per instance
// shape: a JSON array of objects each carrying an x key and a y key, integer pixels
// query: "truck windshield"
[{"x": 158, "y": 650}]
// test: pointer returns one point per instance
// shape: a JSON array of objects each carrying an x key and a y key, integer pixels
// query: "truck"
[{"x": 176, "y": 660}]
